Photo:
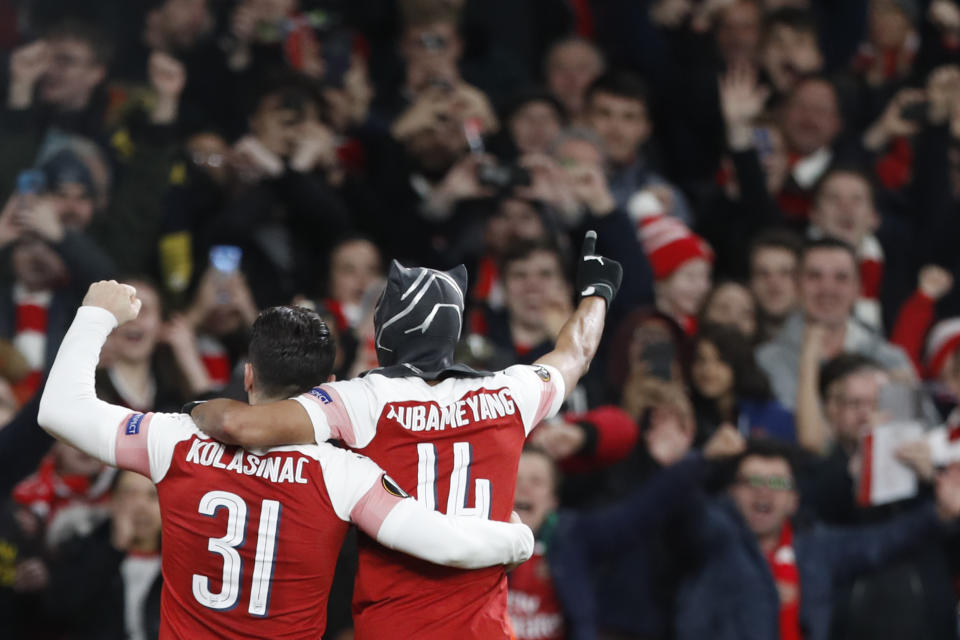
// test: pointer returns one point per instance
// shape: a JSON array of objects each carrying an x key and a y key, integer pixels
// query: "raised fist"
[
  {"x": 119, "y": 299},
  {"x": 30, "y": 62},
  {"x": 167, "y": 74}
]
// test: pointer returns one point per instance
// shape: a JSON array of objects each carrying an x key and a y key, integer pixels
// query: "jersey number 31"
[{"x": 227, "y": 547}]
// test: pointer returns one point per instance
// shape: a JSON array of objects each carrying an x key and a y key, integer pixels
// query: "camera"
[{"x": 503, "y": 177}]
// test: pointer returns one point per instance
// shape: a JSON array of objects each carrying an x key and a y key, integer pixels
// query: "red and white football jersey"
[
  {"x": 250, "y": 541},
  {"x": 455, "y": 445}
]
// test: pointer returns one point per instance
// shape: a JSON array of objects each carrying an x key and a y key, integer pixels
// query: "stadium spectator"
[
  {"x": 119, "y": 565},
  {"x": 828, "y": 287},
  {"x": 774, "y": 257},
  {"x": 757, "y": 566},
  {"x": 729, "y": 388},
  {"x": 617, "y": 109},
  {"x": 732, "y": 304},
  {"x": 570, "y": 67}
]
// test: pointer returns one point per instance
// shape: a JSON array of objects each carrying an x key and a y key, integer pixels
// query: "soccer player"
[
  {"x": 250, "y": 538},
  {"x": 452, "y": 434}
]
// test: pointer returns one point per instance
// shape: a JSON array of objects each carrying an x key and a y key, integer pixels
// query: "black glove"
[{"x": 596, "y": 275}]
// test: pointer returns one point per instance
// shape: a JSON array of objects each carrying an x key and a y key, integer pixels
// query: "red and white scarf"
[
  {"x": 783, "y": 565},
  {"x": 30, "y": 335}
]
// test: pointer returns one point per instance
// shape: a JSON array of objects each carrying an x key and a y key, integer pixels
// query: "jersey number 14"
[
  {"x": 227, "y": 546},
  {"x": 459, "y": 481}
]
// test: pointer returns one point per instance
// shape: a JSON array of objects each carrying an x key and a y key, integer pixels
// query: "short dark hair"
[
  {"x": 290, "y": 350},
  {"x": 622, "y": 84},
  {"x": 522, "y": 249},
  {"x": 792, "y": 18},
  {"x": 769, "y": 448},
  {"x": 776, "y": 238},
  {"x": 841, "y": 366},
  {"x": 734, "y": 349},
  {"x": 848, "y": 170},
  {"x": 294, "y": 89},
  {"x": 828, "y": 243},
  {"x": 73, "y": 29}
]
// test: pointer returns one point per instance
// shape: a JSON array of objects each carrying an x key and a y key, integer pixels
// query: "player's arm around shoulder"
[
  {"x": 362, "y": 493},
  {"x": 261, "y": 426}
]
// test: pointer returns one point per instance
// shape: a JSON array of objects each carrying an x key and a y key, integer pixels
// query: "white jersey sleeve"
[
  {"x": 71, "y": 411},
  {"x": 342, "y": 411},
  {"x": 538, "y": 390},
  {"x": 362, "y": 493}
]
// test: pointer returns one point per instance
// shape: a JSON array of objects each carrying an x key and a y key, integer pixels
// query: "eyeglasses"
[
  {"x": 774, "y": 483},
  {"x": 855, "y": 403}
]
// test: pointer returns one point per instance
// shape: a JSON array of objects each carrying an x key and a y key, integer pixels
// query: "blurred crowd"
[{"x": 780, "y": 180}]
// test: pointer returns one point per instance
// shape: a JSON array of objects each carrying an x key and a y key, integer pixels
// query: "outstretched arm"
[
  {"x": 598, "y": 280},
  {"x": 69, "y": 407}
]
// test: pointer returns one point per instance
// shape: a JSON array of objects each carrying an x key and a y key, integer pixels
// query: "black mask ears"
[{"x": 419, "y": 317}]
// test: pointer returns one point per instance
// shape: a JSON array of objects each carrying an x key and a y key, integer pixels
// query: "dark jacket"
[
  {"x": 732, "y": 594},
  {"x": 583, "y": 541},
  {"x": 86, "y": 591}
]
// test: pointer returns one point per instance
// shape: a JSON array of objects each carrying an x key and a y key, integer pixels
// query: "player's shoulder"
[
  {"x": 167, "y": 425},
  {"x": 529, "y": 372}
]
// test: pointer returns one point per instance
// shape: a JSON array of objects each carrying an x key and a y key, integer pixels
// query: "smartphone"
[
  {"x": 471, "y": 131},
  {"x": 915, "y": 111},
  {"x": 659, "y": 358},
  {"x": 762, "y": 141},
  {"x": 225, "y": 258}
]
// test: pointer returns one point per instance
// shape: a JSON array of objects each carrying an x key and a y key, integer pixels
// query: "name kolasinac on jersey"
[
  {"x": 275, "y": 468},
  {"x": 474, "y": 407}
]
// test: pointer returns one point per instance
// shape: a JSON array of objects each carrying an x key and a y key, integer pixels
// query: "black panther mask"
[{"x": 418, "y": 322}]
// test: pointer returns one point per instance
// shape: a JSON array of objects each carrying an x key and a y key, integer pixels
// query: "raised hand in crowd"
[
  {"x": 27, "y": 66},
  {"x": 918, "y": 457},
  {"x": 429, "y": 110},
  {"x": 726, "y": 442},
  {"x": 945, "y": 16},
  {"x": 315, "y": 147},
  {"x": 31, "y": 575},
  {"x": 943, "y": 93},
  {"x": 218, "y": 289},
  {"x": 179, "y": 334},
  {"x": 41, "y": 218},
  {"x": 168, "y": 77},
  {"x": 742, "y": 99},
  {"x": 892, "y": 123},
  {"x": 670, "y": 14},
  {"x": 549, "y": 184},
  {"x": 460, "y": 183},
  {"x": 9, "y": 229},
  {"x": 589, "y": 185},
  {"x": 558, "y": 438},
  {"x": 934, "y": 281},
  {"x": 253, "y": 161}
]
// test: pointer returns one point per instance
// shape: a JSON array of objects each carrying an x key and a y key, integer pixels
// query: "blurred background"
[{"x": 765, "y": 445}]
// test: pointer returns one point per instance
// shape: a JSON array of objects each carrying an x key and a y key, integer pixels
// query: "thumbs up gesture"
[{"x": 597, "y": 275}]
